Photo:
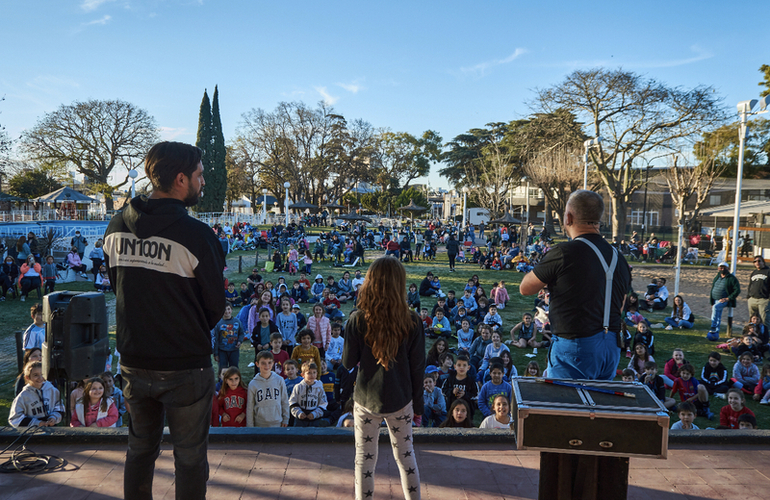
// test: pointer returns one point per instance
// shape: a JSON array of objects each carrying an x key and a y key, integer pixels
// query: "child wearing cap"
[{"x": 301, "y": 320}]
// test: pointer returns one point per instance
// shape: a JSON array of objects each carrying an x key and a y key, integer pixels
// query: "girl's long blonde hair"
[{"x": 382, "y": 301}]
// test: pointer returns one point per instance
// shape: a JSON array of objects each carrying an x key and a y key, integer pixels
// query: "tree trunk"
[
  {"x": 619, "y": 207},
  {"x": 549, "y": 218},
  {"x": 109, "y": 203}
]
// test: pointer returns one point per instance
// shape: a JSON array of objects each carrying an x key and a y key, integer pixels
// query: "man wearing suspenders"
[{"x": 588, "y": 281}]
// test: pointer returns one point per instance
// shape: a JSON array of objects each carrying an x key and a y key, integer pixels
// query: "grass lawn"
[{"x": 14, "y": 315}]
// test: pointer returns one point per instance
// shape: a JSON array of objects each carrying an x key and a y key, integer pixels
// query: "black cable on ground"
[{"x": 27, "y": 461}]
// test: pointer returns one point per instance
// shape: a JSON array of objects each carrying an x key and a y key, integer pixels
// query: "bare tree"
[
  {"x": 95, "y": 137},
  {"x": 558, "y": 173},
  {"x": 314, "y": 149},
  {"x": 686, "y": 182},
  {"x": 492, "y": 178},
  {"x": 635, "y": 117}
]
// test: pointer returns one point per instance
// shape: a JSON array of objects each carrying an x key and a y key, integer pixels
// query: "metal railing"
[{"x": 51, "y": 214}]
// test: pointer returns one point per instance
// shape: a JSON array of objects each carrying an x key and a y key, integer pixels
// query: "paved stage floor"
[{"x": 316, "y": 471}]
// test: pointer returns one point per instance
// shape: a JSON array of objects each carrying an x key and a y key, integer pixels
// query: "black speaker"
[{"x": 76, "y": 336}]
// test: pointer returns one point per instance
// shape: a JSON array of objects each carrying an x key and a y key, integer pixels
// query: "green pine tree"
[
  {"x": 216, "y": 181},
  {"x": 203, "y": 141}
]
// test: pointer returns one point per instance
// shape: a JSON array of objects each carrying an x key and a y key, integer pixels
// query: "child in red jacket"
[
  {"x": 728, "y": 418},
  {"x": 232, "y": 399}
]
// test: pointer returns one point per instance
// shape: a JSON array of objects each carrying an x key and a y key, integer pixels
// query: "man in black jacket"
[{"x": 166, "y": 269}]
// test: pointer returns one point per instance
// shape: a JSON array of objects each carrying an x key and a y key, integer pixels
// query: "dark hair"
[
  {"x": 648, "y": 365},
  {"x": 291, "y": 362},
  {"x": 450, "y": 420},
  {"x": 496, "y": 366},
  {"x": 686, "y": 406},
  {"x": 166, "y": 160},
  {"x": 715, "y": 355},
  {"x": 276, "y": 336},
  {"x": 628, "y": 372},
  {"x": 265, "y": 355},
  {"x": 442, "y": 357},
  {"x": 37, "y": 308},
  {"x": 28, "y": 354},
  {"x": 305, "y": 332},
  {"x": 688, "y": 368},
  {"x": 746, "y": 417},
  {"x": 463, "y": 357}
]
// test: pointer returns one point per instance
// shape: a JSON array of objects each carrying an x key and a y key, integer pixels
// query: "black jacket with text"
[{"x": 166, "y": 270}]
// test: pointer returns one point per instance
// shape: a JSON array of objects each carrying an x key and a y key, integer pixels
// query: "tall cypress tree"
[
  {"x": 203, "y": 141},
  {"x": 217, "y": 177}
]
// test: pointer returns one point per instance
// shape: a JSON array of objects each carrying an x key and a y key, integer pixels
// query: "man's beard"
[{"x": 192, "y": 197}]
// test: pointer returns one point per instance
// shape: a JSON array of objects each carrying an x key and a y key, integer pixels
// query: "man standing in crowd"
[
  {"x": 166, "y": 269},
  {"x": 588, "y": 281},
  {"x": 80, "y": 243},
  {"x": 759, "y": 290},
  {"x": 724, "y": 290}
]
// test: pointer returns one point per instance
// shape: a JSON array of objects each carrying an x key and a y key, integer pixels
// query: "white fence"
[{"x": 50, "y": 214}]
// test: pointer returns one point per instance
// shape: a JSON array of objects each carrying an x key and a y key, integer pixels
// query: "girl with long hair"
[{"x": 386, "y": 340}]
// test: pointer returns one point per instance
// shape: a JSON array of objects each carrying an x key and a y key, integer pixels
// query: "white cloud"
[
  {"x": 353, "y": 87},
  {"x": 481, "y": 68},
  {"x": 171, "y": 133},
  {"x": 51, "y": 84},
  {"x": 328, "y": 98},
  {"x": 104, "y": 20},
  {"x": 89, "y": 5},
  {"x": 700, "y": 54}
]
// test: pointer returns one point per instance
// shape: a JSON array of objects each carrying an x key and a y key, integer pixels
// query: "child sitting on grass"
[
  {"x": 728, "y": 417},
  {"x": 714, "y": 376},
  {"x": 268, "y": 403},
  {"x": 459, "y": 415},
  {"x": 306, "y": 351},
  {"x": 435, "y": 404},
  {"x": 686, "y": 418},
  {"x": 493, "y": 388},
  {"x": 94, "y": 409},
  {"x": 689, "y": 390},
  {"x": 39, "y": 403},
  {"x": 501, "y": 419},
  {"x": 308, "y": 399}
]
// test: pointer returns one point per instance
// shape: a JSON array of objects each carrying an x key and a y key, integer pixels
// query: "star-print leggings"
[{"x": 367, "y": 427}]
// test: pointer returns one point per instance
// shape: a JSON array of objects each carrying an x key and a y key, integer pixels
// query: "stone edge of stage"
[{"x": 65, "y": 435}]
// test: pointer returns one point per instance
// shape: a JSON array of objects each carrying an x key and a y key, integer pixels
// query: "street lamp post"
[
  {"x": 465, "y": 205},
  {"x": 644, "y": 208},
  {"x": 264, "y": 206},
  {"x": 132, "y": 173},
  {"x": 286, "y": 186},
  {"x": 744, "y": 110},
  {"x": 588, "y": 145},
  {"x": 526, "y": 179}
]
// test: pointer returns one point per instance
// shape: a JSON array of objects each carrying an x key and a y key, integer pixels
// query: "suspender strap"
[{"x": 609, "y": 271}]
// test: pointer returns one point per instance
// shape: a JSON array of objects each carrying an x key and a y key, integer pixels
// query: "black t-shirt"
[
  {"x": 576, "y": 281},
  {"x": 759, "y": 283},
  {"x": 467, "y": 384}
]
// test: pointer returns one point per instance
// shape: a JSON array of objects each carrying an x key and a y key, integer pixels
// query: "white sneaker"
[
  {"x": 23, "y": 298},
  {"x": 669, "y": 327},
  {"x": 720, "y": 395},
  {"x": 765, "y": 402}
]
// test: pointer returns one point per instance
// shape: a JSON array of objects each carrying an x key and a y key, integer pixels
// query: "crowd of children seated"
[{"x": 299, "y": 379}]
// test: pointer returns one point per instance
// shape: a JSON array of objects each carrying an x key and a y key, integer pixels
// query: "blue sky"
[{"x": 411, "y": 66}]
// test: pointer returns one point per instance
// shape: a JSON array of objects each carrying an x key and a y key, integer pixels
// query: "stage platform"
[{"x": 448, "y": 471}]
